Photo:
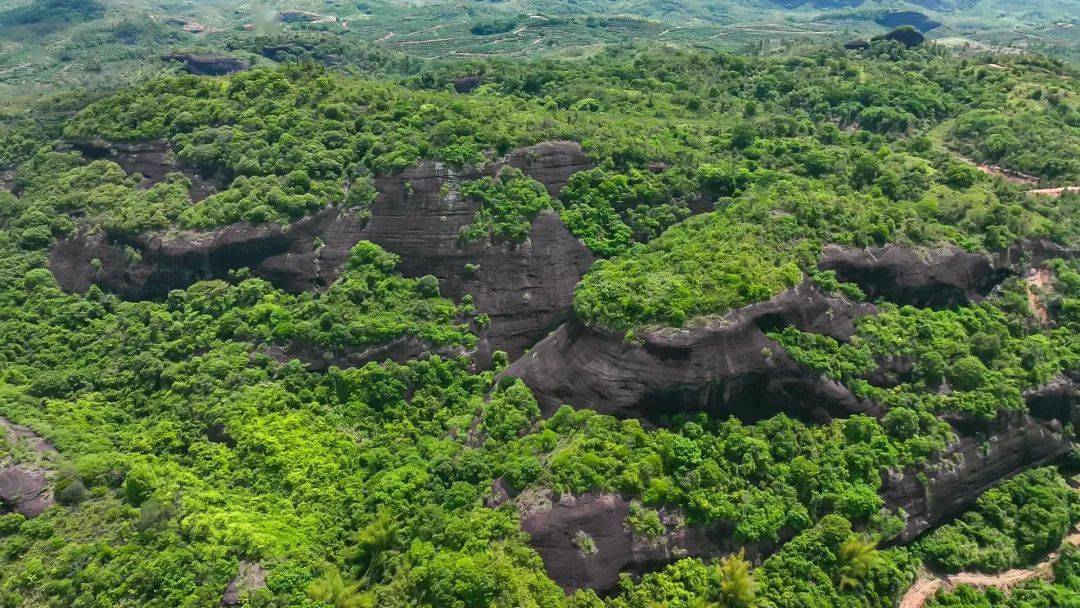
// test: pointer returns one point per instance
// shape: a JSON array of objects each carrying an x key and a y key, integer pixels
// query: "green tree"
[
  {"x": 334, "y": 591},
  {"x": 854, "y": 560},
  {"x": 737, "y": 585}
]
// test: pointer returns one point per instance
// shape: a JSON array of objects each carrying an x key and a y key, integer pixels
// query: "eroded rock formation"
[
  {"x": 209, "y": 65},
  {"x": 151, "y": 159},
  {"x": 250, "y": 578},
  {"x": 560, "y": 526},
  {"x": 26, "y": 487},
  {"x": 725, "y": 365},
  {"x": 937, "y": 278},
  {"x": 526, "y": 288},
  {"x": 1014, "y": 442},
  {"x": 1006, "y": 446}
]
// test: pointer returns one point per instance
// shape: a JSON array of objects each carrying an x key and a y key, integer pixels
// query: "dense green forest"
[{"x": 187, "y": 449}]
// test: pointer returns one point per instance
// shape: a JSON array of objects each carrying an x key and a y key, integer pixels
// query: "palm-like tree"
[
  {"x": 856, "y": 557},
  {"x": 737, "y": 585},
  {"x": 374, "y": 543},
  {"x": 331, "y": 589}
]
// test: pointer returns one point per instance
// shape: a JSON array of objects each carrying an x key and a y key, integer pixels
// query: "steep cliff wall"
[
  {"x": 724, "y": 366},
  {"x": 971, "y": 465},
  {"x": 555, "y": 524},
  {"x": 938, "y": 278},
  {"x": 527, "y": 288}
]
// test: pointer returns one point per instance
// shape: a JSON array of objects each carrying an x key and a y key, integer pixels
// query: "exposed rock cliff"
[
  {"x": 971, "y": 465},
  {"x": 250, "y": 578},
  {"x": 724, "y": 366},
  {"x": 26, "y": 486},
  {"x": 557, "y": 527},
  {"x": 940, "y": 277},
  {"x": 527, "y": 288},
  {"x": 209, "y": 65},
  {"x": 1014, "y": 442},
  {"x": 151, "y": 159},
  {"x": 729, "y": 366}
]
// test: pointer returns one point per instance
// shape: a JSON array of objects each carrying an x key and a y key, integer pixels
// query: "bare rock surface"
[
  {"x": 557, "y": 530},
  {"x": 1014, "y": 442},
  {"x": 209, "y": 65},
  {"x": 26, "y": 487},
  {"x": 250, "y": 577},
  {"x": 725, "y": 365},
  {"x": 25, "y": 490},
  {"x": 1058, "y": 399},
  {"x": 938, "y": 278},
  {"x": 525, "y": 288},
  {"x": 151, "y": 159},
  {"x": 953, "y": 482}
]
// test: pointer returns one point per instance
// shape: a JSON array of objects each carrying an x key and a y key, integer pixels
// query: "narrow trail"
[
  {"x": 1054, "y": 192},
  {"x": 386, "y": 37},
  {"x": 925, "y": 588}
]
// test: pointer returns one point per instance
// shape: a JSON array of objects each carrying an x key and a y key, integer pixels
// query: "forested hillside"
[{"x": 657, "y": 326}]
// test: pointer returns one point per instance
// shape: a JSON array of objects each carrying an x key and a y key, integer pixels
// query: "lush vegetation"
[
  {"x": 706, "y": 265},
  {"x": 509, "y": 202},
  {"x": 189, "y": 444},
  {"x": 975, "y": 360},
  {"x": 1014, "y": 524},
  {"x": 1063, "y": 590}
]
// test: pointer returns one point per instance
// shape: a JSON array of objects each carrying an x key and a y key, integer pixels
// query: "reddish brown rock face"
[
  {"x": 209, "y": 65},
  {"x": 971, "y": 465},
  {"x": 26, "y": 488},
  {"x": 557, "y": 528},
  {"x": 526, "y": 289},
  {"x": 723, "y": 366},
  {"x": 936, "y": 278},
  {"x": 151, "y": 159}
]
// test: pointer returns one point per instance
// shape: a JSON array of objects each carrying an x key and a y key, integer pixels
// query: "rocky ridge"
[
  {"x": 729, "y": 366},
  {"x": 526, "y": 288},
  {"x": 725, "y": 366},
  {"x": 556, "y": 523}
]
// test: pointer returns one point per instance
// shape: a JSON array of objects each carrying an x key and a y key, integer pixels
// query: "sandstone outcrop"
[
  {"x": 151, "y": 159},
  {"x": 466, "y": 84},
  {"x": 1014, "y": 442},
  {"x": 557, "y": 528},
  {"x": 724, "y": 366},
  {"x": 972, "y": 464},
  {"x": 250, "y": 577},
  {"x": 25, "y": 490},
  {"x": 209, "y": 65},
  {"x": 526, "y": 288},
  {"x": 937, "y": 278},
  {"x": 1058, "y": 399},
  {"x": 905, "y": 35},
  {"x": 26, "y": 487}
]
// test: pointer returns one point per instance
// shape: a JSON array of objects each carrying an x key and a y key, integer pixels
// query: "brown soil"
[
  {"x": 926, "y": 587},
  {"x": 1038, "y": 282},
  {"x": 1054, "y": 192}
]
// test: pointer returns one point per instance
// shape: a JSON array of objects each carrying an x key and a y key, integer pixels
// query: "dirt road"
[{"x": 925, "y": 586}]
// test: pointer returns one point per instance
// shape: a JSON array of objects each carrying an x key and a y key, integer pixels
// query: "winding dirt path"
[
  {"x": 1054, "y": 192},
  {"x": 925, "y": 588}
]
